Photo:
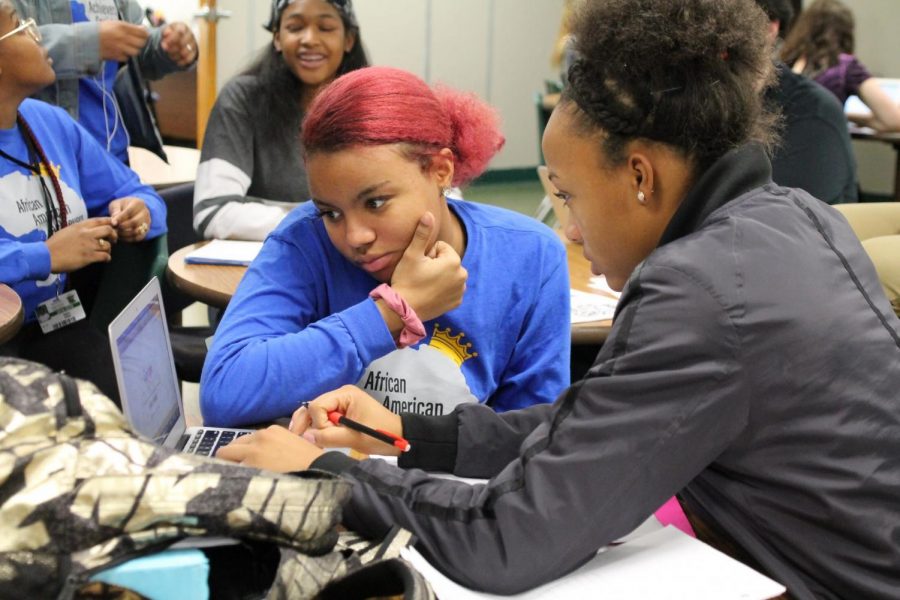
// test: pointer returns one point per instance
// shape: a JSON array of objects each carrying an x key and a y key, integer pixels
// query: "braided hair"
[{"x": 687, "y": 73}]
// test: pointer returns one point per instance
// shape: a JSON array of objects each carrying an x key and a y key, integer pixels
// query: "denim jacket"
[{"x": 75, "y": 47}]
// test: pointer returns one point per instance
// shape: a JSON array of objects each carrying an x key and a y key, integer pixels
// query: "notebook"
[
  {"x": 663, "y": 564},
  {"x": 224, "y": 252},
  {"x": 148, "y": 384}
]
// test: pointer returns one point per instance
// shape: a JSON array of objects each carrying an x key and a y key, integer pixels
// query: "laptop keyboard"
[{"x": 206, "y": 441}]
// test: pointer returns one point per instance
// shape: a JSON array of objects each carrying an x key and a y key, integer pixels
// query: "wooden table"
[
  {"x": 867, "y": 134},
  {"x": 182, "y": 166},
  {"x": 215, "y": 284},
  {"x": 210, "y": 284},
  {"x": 12, "y": 314}
]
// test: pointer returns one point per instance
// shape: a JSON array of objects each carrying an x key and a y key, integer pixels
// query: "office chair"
[
  {"x": 877, "y": 224},
  {"x": 131, "y": 267},
  {"x": 188, "y": 342}
]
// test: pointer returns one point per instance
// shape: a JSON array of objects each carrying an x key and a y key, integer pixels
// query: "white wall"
[
  {"x": 174, "y": 10},
  {"x": 500, "y": 50},
  {"x": 495, "y": 48}
]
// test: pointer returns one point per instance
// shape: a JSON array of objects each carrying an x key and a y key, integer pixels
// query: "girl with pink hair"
[{"x": 423, "y": 300}]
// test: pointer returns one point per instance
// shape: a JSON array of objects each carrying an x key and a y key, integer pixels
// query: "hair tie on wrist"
[{"x": 413, "y": 329}]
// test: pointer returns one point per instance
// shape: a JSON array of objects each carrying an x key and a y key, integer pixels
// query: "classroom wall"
[
  {"x": 500, "y": 51},
  {"x": 878, "y": 47},
  {"x": 494, "y": 48}
]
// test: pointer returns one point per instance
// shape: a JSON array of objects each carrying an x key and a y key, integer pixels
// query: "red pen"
[{"x": 379, "y": 434}]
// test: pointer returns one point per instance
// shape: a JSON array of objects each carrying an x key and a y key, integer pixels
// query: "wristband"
[{"x": 413, "y": 329}]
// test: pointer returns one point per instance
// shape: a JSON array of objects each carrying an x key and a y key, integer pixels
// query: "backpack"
[{"x": 80, "y": 493}]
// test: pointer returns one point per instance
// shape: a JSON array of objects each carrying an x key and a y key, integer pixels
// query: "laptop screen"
[
  {"x": 854, "y": 105},
  {"x": 144, "y": 367}
]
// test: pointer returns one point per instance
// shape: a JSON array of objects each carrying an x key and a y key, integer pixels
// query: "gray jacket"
[
  {"x": 753, "y": 368},
  {"x": 75, "y": 47}
]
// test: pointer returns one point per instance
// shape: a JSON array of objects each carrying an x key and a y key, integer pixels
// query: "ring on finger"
[{"x": 143, "y": 228}]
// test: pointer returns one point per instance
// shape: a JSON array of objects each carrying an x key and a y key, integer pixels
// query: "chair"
[
  {"x": 188, "y": 342},
  {"x": 560, "y": 212},
  {"x": 877, "y": 224},
  {"x": 131, "y": 267}
]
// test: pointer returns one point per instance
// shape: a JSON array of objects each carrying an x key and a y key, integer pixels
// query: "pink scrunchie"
[
  {"x": 413, "y": 329},
  {"x": 671, "y": 513}
]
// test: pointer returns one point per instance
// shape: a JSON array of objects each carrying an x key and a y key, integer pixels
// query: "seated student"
[
  {"x": 314, "y": 310},
  {"x": 251, "y": 171},
  {"x": 88, "y": 40},
  {"x": 821, "y": 45},
  {"x": 66, "y": 201},
  {"x": 814, "y": 152},
  {"x": 751, "y": 367}
]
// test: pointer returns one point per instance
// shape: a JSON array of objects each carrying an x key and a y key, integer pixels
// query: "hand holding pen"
[
  {"x": 379, "y": 434},
  {"x": 356, "y": 406}
]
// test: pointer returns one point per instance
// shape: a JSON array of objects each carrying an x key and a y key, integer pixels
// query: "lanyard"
[{"x": 56, "y": 213}]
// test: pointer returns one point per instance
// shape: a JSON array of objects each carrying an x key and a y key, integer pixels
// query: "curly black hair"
[{"x": 687, "y": 73}]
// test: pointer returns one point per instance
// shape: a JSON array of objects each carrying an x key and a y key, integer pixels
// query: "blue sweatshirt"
[
  {"x": 90, "y": 178},
  {"x": 97, "y": 104},
  {"x": 301, "y": 324}
]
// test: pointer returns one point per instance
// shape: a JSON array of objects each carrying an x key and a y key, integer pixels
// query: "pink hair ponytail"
[
  {"x": 383, "y": 105},
  {"x": 475, "y": 128}
]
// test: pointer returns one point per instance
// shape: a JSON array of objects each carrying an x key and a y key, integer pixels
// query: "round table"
[
  {"x": 215, "y": 284},
  {"x": 12, "y": 314},
  {"x": 210, "y": 284}
]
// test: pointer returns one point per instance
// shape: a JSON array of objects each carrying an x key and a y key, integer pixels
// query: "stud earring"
[{"x": 641, "y": 197}]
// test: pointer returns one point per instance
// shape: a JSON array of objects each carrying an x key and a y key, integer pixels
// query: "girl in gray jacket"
[{"x": 753, "y": 366}]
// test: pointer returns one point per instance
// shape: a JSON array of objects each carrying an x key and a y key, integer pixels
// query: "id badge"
[{"x": 59, "y": 311}]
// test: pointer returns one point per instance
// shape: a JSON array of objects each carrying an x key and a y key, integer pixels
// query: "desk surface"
[
  {"x": 865, "y": 133},
  {"x": 210, "y": 284},
  {"x": 11, "y": 313},
  {"x": 215, "y": 284},
  {"x": 182, "y": 166}
]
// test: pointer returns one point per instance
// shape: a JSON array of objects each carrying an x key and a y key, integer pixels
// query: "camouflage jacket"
[{"x": 79, "y": 492}]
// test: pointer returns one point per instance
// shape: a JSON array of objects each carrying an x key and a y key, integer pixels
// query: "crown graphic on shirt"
[
  {"x": 45, "y": 173},
  {"x": 451, "y": 345}
]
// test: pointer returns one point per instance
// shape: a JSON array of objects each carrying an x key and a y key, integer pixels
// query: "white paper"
[
  {"x": 440, "y": 475},
  {"x": 587, "y": 307},
  {"x": 224, "y": 252},
  {"x": 663, "y": 564},
  {"x": 599, "y": 283}
]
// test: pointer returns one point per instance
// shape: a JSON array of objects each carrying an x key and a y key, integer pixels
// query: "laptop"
[
  {"x": 854, "y": 105},
  {"x": 148, "y": 385}
]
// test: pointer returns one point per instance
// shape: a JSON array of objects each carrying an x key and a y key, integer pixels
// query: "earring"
[{"x": 641, "y": 197}]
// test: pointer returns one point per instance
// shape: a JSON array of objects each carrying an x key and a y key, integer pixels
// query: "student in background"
[
  {"x": 251, "y": 171},
  {"x": 561, "y": 57},
  {"x": 751, "y": 368},
  {"x": 821, "y": 46},
  {"x": 814, "y": 152},
  {"x": 315, "y": 310},
  {"x": 87, "y": 40},
  {"x": 66, "y": 201}
]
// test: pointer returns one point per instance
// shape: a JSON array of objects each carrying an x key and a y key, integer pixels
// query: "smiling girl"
[
  {"x": 251, "y": 172},
  {"x": 476, "y": 309}
]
